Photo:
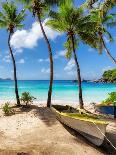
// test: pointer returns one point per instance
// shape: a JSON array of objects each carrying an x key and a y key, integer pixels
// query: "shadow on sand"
[{"x": 46, "y": 115}]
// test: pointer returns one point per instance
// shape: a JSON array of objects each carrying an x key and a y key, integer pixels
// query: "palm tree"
[
  {"x": 70, "y": 20},
  {"x": 106, "y": 5},
  {"x": 101, "y": 20},
  {"x": 101, "y": 29},
  {"x": 10, "y": 20},
  {"x": 39, "y": 9}
]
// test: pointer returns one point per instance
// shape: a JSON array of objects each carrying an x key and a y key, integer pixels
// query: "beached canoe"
[{"x": 90, "y": 127}]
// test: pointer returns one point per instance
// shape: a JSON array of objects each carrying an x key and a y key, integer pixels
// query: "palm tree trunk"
[
  {"x": 14, "y": 67},
  {"x": 51, "y": 63},
  {"x": 78, "y": 75},
  {"x": 107, "y": 51}
]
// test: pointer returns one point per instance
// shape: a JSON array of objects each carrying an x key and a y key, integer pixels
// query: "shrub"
[
  {"x": 27, "y": 98},
  {"x": 7, "y": 109},
  {"x": 111, "y": 100}
]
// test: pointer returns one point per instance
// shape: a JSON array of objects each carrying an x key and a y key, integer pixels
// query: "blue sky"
[{"x": 31, "y": 55}]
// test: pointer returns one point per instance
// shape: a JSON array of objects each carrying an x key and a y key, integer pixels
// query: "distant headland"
[
  {"x": 107, "y": 77},
  {"x": 1, "y": 79}
]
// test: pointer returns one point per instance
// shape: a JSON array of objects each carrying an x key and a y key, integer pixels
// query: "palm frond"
[
  {"x": 9, "y": 16},
  {"x": 107, "y": 5},
  {"x": 110, "y": 38}
]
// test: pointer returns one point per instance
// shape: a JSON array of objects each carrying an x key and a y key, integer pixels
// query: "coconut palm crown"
[
  {"x": 39, "y": 8},
  {"x": 72, "y": 22},
  {"x": 101, "y": 20},
  {"x": 10, "y": 19}
]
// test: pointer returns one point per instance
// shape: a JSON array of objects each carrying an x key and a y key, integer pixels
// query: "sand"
[{"x": 36, "y": 131}]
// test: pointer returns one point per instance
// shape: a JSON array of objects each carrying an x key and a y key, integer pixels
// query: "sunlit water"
[{"x": 62, "y": 90}]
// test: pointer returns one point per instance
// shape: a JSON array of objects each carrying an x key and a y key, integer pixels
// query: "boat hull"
[{"x": 95, "y": 133}]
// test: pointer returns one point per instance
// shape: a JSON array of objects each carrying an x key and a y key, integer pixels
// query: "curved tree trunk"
[
  {"x": 51, "y": 64},
  {"x": 107, "y": 51},
  {"x": 14, "y": 68},
  {"x": 78, "y": 75}
]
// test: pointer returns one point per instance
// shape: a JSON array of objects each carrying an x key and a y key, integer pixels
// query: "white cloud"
[
  {"x": 40, "y": 60},
  {"x": 60, "y": 54},
  {"x": 70, "y": 65},
  {"x": 29, "y": 38},
  {"x": 7, "y": 59},
  {"x": 43, "y": 60},
  {"x": 45, "y": 71},
  {"x": 90, "y": 75},
  {"x": 18, "y": 51},
  {"x": 21, "y": 61},
  {"x": 71, "y": 73},
  {"x": 106, "y": 68}
]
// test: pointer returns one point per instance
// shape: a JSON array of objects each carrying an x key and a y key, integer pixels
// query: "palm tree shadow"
[
  {"x": 46, "y": 115},
  {"x": 24, "y": 108}
]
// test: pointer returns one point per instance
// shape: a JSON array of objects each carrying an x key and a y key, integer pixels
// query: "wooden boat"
[{"x": 89, "y": 126}]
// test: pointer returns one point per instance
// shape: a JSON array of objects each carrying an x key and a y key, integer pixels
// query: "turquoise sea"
[{"x": 64, "y": 90}]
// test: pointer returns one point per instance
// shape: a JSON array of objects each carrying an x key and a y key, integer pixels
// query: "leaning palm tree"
[
  {"x": 106, "y": 5},
  {"x": 101, "y": 20},
  {"x": 70, "y": 20},
  {"x": 10, "y": 19},
  {"x": 39, "y": 8}
]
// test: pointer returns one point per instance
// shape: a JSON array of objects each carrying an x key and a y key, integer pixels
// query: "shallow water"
[{"x": 62, "y": 90}]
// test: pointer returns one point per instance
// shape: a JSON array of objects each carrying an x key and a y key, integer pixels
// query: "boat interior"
[{"x": 65, "y": 109}]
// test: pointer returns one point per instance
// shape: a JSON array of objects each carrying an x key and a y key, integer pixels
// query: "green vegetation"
[
  {"x": 39, "y": 9},
  {"x": 74, "y": 24},
  {"x": 27, "y": 98},
  {"x": 7, "y": 109},
  {"x": 100, "y": 21},
  {"x": 79, "y": 27},
  {"x": 111, "y": 100},
  {"x": 10, "y": 19},
  {"x": 109, "y": 76}
]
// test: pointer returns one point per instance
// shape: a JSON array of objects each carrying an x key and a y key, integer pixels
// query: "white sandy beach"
[{"x": 37, "y": 132}]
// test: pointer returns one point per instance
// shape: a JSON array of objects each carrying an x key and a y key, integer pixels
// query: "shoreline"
[{"x": 44, "y": 102}]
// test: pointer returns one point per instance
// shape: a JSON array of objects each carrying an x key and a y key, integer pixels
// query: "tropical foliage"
[
  {"x": 39, "y": 8},
  {"x": 111, "y": 100},
  {"x": 100, "y": 21},
  {"x": 10, "y": 19},
  {"x": 7, "y": 109},
  {"x": 26, "y": 98},
  {"x": 74, "y": 23},
  {"x": 110, "y": 75},
  {"x": 88, "y": 23}
]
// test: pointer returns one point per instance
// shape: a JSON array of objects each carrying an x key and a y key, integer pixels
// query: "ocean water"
[{"x": 63, "y": 91}]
